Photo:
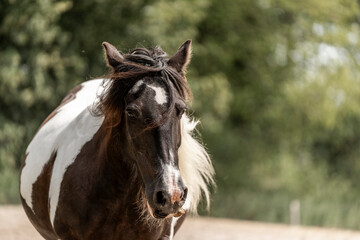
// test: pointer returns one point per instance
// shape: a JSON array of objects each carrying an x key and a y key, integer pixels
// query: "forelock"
[
  {"x": 138, "y": 64},
  {"x": 155, "y": 58}
]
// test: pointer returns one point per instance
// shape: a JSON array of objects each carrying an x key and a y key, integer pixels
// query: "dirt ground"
[{"x": 14, "y": 225}]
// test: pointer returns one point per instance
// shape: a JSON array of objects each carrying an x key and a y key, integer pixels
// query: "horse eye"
[
  {"x": 180, "y": 111},
  {"x": 132, "y": 113}
]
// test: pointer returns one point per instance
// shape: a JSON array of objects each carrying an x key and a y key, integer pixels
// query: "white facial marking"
[
  {"x": 160, "y": 94},
  {"x": 171, "y": 156},
  {"x": 65, "y": 133},
  {"x": 136, "y": 87},
  {"x": 172, "y": 228},
  {"x": 171, "y": 177}
]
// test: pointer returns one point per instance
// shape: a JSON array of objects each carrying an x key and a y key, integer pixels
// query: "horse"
[{"x": 117, "y": 159}]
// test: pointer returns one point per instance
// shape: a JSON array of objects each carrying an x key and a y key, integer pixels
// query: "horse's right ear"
[{"x": 112, "y": 55}]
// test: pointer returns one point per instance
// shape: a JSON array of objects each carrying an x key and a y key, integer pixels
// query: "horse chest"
[
  {"x": 102, "y": 205},
  {"x": 98, "y": 217}
]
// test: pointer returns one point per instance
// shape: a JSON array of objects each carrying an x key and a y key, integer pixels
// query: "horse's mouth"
[{"x": 160, "y": 215}]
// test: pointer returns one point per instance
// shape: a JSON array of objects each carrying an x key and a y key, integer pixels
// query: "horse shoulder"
[{"x": 53, "y": 147}]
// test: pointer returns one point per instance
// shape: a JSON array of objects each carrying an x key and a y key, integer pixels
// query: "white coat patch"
[{"x": 65, "y": 133}]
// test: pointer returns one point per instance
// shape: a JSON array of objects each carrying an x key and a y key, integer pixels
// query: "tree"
[{"x": 35, "y": 73}]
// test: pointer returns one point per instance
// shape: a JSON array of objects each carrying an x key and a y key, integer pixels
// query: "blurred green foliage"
[{"x": 275, "y": 82}]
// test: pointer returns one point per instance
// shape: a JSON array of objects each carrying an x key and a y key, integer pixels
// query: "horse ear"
[
  {"x": 181, "y": 58},
  {"x": 112, "y": 55}
]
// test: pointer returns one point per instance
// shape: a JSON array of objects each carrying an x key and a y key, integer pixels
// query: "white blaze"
[
  {"x": 172, "y": 173},
  {"x": 171, "y": 155}
]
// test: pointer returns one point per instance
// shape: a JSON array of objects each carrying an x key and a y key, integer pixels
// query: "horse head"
[{"x": 146, "y": 98}]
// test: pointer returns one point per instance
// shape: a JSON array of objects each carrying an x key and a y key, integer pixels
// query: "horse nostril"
[
  {"x": 184, "y": 194},
  {"x": 160, "y": 198}
]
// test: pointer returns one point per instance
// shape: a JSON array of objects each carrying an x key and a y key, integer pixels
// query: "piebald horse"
[{"x": 117, "y": 158}]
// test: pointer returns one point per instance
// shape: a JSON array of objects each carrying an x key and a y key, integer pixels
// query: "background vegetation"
[{"x": 276, "y": 84}]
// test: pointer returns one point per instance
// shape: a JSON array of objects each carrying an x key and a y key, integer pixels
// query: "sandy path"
[{"x": 14, "y": 225}]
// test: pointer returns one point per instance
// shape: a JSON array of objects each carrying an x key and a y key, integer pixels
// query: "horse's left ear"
[
  {"x": 112, "y": 55},
  {"x": 181, "y": 58}
]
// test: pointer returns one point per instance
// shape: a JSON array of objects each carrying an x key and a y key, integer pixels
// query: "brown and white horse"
[{"x": 117, "y": 159}]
